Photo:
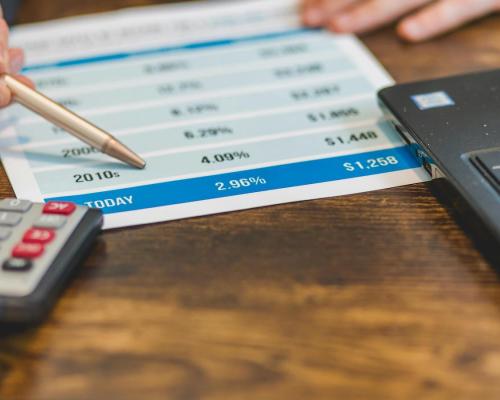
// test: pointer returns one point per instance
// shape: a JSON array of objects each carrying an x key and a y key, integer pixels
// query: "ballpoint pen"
[{"x": 70, "y": 122}]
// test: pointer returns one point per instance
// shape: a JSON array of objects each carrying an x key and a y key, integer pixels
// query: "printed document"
[{"x": 233, "y": 105}]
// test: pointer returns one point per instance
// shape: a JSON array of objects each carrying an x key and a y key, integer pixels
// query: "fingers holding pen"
[
  {"x": 15, "y": 60},
  {"x": 11, "y": 62},
  {"x": 4, "y": 45},
  {"x": 5, "y": 94},
  {"x": 16, "y": 64},
  {"x": 24, "y": 79}
]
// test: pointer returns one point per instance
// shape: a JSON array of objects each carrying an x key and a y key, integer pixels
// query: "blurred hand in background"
[{"x": 418, "y": 19}]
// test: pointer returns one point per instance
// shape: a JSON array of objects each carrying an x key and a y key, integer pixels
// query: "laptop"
[{"x": 452, "y": 126}]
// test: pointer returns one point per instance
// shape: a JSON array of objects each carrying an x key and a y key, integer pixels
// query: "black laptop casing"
[{"x": 453, "y": 127}]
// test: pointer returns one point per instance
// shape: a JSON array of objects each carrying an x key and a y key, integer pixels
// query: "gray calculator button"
[
  {"x": 15, "y": 205},
  {"x": 5, "y": 233},
  {"x": 50, "y": 221},
  {"x": 9, "y": 218}
]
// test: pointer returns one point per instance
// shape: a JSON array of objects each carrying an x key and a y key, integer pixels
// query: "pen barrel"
[{"x": 58, "y": 114}]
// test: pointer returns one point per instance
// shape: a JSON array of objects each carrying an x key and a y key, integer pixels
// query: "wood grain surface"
[{"x": 372, "y": 296}]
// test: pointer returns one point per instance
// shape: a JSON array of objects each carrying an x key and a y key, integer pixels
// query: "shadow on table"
[
  {"x": 17, "y": 340},
  {"x": 462, "y": 213}
]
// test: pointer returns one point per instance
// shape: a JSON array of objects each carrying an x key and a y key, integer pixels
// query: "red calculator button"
[
  {"x": 59, "y": 207},
  {"x": 37, "y": 235},
  {"x": 27, "y": 250}
]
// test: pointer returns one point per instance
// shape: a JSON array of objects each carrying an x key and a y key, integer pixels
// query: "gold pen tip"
[
  {"x": 71, "y": 122},
  {"x": 141, "y": 164},
  {"x": 118, "y": 150}
]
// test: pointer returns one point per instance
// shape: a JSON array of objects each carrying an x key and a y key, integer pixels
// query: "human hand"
[
  {"x": 420, "y": 19},
  {"x": 11, "y": 62}
]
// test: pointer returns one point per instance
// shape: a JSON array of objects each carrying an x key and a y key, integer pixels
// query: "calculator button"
[
  {"x": 17, "y": 264},
  {"x": 59, "y": 207},
  {"x": 5, "y": 233},
  {"x": 15, "y": 205},
  {"x": 10, "y": 218},
  {"x": 50, "y": 221},
  {"x": 37, "y": 235},
  {"x": 27, "y": 250}
]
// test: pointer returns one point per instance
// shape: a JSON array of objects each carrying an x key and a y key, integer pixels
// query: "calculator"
[{"x": 40, "y": 246}]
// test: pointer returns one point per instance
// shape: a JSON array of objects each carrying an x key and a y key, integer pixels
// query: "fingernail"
[
  {"x": 412, "y": 29},
  {"x": 314, "y": 16},
  {"x": 342, "y": 22},
  {"x": 16, "y": 64}
]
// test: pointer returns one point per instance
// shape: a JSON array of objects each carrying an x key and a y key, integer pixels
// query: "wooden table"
[{"x": 374, "y": 296}]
